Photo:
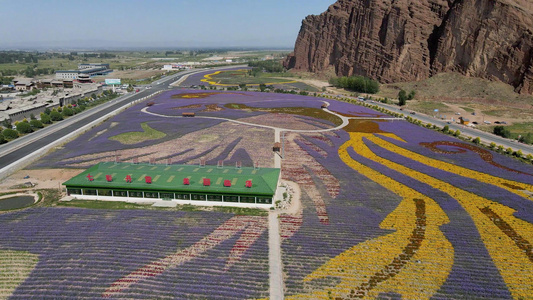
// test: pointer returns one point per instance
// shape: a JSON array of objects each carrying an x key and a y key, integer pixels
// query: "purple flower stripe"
[{"x": 82, "y": 252}]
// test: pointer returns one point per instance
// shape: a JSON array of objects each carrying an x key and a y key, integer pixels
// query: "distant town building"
[{"x": 84, "y": 72}]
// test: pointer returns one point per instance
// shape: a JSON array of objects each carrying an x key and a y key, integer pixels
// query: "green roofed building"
[{"x": 192, "y": 184}]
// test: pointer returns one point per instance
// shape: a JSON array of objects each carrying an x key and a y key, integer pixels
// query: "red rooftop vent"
[
  {"x": 248, "y": 183},
  {"x": 186, "y": 181},
  {"x": 109, "y": 178},
  {"x": 207, "y": 181},
  {"x": 227, "y": 183},
  {"x": 148, "y": 179}
]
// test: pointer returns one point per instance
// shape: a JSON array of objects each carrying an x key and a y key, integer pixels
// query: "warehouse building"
[{"x": 187, "y": 184}]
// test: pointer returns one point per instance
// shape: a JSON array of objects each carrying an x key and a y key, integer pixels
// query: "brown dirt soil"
[{"x": 41, "y": 178}]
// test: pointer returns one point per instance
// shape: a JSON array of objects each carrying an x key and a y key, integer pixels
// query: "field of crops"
[{"x": 389, "y": 209}]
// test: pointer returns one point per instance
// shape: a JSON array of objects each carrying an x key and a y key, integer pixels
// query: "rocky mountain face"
[{"x": 406, "y": 40}]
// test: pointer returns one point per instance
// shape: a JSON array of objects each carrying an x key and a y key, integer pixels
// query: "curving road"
[
  {"x": 22, "y": 151},
  {"x": 485, "y": 137}
]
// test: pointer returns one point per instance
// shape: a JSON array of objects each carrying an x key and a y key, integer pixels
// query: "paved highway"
[{"x": 23, "y": 150}]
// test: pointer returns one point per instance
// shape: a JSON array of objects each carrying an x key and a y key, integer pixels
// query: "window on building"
[
  {"x": 120, "y": 193},
  {"x": 167, "y": 195},
  {"x": 264, "y": 200},
  {"x": 248, "y": 199},
  {"x": 89, "y": 192},
  {"x": 151, "y": 195},
  {"x": 182, "y": 196},
  {"x": 231, "y": 199},
  {"x": 103, "y": 192},
  {"x": 74, "y": 191},
  {"x": 214, "y": 198},
  {"x": 136, "y": 194},
  {"x": 198, "y": 197}
]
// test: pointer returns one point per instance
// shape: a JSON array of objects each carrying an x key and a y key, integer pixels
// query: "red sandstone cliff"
[{"x": 405, "y": 40}]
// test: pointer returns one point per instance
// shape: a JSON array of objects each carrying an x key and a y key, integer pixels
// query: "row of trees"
[
  {"x": 359, "y": 84},
  {"x": 49, "y": 117},
  {"x": 403, "y": 96},
  {"x": 270, "y": 66}
]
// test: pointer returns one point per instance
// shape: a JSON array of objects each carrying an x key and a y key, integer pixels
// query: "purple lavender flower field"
[
  {"x": 470, "y": 238},
  {"x": 82, "y": 252}
]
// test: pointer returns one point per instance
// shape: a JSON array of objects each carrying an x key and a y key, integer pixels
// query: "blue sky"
[{"x": 159, "y": 23}]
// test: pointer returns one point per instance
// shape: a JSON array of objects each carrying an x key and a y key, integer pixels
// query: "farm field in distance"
[{"x": 387, "y": 209}]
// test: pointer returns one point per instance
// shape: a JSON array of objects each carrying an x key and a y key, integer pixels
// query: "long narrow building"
[{"x": 186, "y": 184}]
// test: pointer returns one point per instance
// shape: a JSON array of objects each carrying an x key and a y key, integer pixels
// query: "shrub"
[
  {"x": 529, "y": 157},
  {"x": 56, "y": 116},
  {"x": 24, "y": 127},
  {"x": 446, "y": 128},
  {"x": 492, "y": 145},
  {"x": 36, "y": 124},
  {"x": 518, "y": 153},
  {"x": 509, "y": 151},
  {"x": 457, "y": 133},
  {"x": 477, "y": 141},
  {"x": 502, "y": 131},
  {"x": 10, "y": 134},
  {"x": 2, "y": 139},
  {"x": 67, "y": 112},
  {"x": 500, "y": 148},
  {"x": 45, "y": 118}
]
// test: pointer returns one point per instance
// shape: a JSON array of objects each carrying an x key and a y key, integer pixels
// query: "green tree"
[
  {"x": 2, "y": 139},
  {"x": 56, "y": 116},
  {"x": 10, "y": 134},
  {"x": 445, "y": 129},
  {"x": 476, "y": 141},
  {"x": 509, "y": 151},
  {"x": 45, "y": 118},
  {"x": 518, "y": 153},
  {"x": 32, "y": 116},
  {"x": 24, "y": 127},
  {"x": 502, "y": 131},
  {"x": 47, "y": 111},
  {"x": 411, "y": 95},
  {"x": 36, "y": 124},
  {"x": 67, "y": 112},
  {"x": 402, "y": 97},
  {"x": 457, "y": 133}
]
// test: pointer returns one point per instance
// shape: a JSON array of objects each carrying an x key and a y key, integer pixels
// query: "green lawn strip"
[
  {"x": 95, "y": 204},
  {"x": 301, "y": 111},
  {"x": 467, "y": 109},
  {"x": 130, "y": 138},
  {"x": 428, "y": 107},
  {"x": 520, "y": 129},
  {"x": 242, "y": 77}
]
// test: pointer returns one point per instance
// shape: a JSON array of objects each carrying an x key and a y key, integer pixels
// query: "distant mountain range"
[{"x": 134, "y": 45}]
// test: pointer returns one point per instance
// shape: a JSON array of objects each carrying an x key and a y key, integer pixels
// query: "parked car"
[
  {"x": 457, "y": 113},
  {"x": 486, "y": 122},
  {"x": 503, "y": 122},
  {"x": 413, "y": 113},
  {"x": 474, "y": 122}
]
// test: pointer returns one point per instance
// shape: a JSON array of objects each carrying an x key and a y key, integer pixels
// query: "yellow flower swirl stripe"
[
  {"x": 416, "y": 255},
  {"x": 483, "y": 177},
  {"x": 507, "y": 252},
  {"x": 208, "y": 78}
]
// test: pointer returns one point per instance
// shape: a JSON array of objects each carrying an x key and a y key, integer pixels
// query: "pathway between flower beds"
[{"x": 274, "y": 242}]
